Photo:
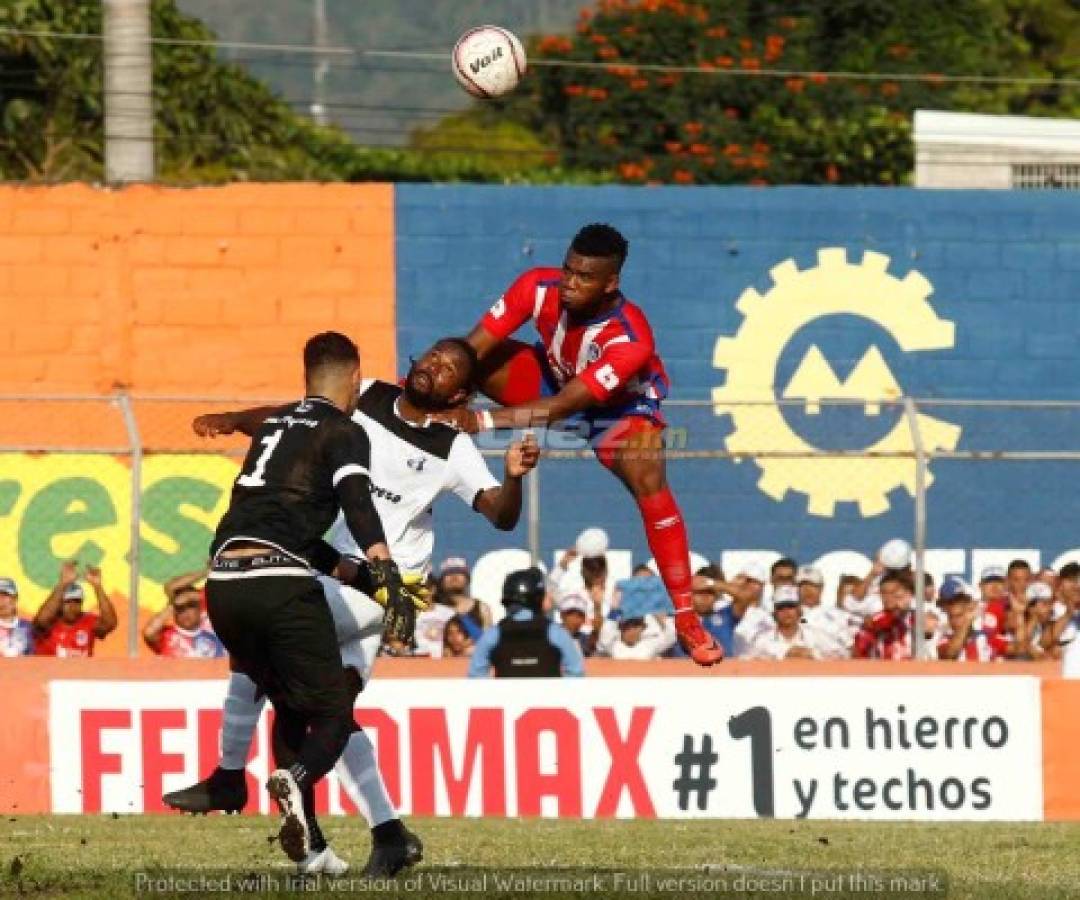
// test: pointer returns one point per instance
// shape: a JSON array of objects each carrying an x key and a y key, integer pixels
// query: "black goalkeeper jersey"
[{"x": 306, "y": 461}]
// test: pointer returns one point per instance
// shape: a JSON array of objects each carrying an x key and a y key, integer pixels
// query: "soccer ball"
[{"x": 488, "y": 61}]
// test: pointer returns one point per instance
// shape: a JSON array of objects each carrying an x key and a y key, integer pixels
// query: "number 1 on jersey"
[{"x": 255, "y": 479}]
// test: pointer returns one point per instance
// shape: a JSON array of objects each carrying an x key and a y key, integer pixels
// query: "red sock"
[{"x": 666, "y": 533}]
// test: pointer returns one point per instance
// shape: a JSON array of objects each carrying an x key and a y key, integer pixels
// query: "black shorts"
[{"x": 279, "y": 632}]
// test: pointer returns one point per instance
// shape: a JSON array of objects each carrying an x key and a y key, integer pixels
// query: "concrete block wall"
[
  {"x": 1004, "y": 268},
  {"x": 202, "y": 291}
]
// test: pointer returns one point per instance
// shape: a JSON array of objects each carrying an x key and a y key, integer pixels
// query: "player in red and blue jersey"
[{"x": 595, "y": 369}]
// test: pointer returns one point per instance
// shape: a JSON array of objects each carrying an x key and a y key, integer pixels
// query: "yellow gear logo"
[{"x": 833, "y": 287}]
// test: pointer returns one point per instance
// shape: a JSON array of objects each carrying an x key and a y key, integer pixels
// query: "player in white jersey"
[{"x": 413, "y": 460}]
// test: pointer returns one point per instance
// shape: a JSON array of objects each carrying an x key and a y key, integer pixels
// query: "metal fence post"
[
  {"x": 920, "y": 526},
  {"x": 135, "y": 442},
  {"x": 532, "y": 500}
]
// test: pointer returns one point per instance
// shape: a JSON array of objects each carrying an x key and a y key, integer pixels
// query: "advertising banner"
[{"x": 854, "y": 748}]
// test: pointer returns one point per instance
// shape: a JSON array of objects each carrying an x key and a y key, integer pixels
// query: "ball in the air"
[{"x": 488, "y": 61}]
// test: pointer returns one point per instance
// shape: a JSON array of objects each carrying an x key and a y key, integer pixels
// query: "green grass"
[{"x": 96, "y": 856}]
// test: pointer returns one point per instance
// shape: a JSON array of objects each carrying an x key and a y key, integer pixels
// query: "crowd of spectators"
[
  {"x": 783, "y": 612},
  {"x": 62, "y": 627},
  {"x": 778, "y": 613}
]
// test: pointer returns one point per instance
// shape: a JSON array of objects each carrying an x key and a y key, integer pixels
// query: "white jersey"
[{"x": 410, "y": 466}]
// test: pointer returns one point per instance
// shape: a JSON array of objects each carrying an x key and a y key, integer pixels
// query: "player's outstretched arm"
[
  {"x": 572, "y": 399},
  {"x": 501, "y": 506},
  {"x": 246, "y": 421}
]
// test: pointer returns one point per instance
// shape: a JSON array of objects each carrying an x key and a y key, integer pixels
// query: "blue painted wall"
[{"x": 1005, "y": 269}]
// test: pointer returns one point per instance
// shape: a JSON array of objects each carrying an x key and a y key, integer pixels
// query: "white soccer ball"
[
  {"x": 895, "y": 554},
  {"x": 592, "y": 542},
  {"x": 488, "y": 61}
]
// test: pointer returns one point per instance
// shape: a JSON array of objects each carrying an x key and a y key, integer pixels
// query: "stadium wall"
[
  {"x": 929, "y": 741},
  {"x": 796, "y": 292}
]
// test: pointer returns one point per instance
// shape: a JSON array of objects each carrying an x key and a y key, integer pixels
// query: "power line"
[{"x": 662, "y": 68}]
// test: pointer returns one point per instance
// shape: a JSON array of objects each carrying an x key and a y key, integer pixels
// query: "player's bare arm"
[
  {"x": 246, "y": 421},
  {"x": 572, "y": 399},
  {"x": 501, "y": 506}
]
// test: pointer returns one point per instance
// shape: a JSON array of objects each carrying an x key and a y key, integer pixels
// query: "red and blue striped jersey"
[{"x": 613, "y": 354}]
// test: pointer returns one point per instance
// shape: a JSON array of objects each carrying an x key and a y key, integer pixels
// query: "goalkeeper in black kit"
[{"x": 306, "y": 461}]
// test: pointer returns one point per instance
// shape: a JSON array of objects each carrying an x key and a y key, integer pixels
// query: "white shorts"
[{"x": 358, "y": 621}]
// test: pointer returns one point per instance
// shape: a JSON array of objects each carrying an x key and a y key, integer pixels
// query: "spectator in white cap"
[
  {"x": 1035, "y": 625},
  {"x": 452, "y": 591},
  {"x": 748, "y": 586},
  {"x": 838, "y": 624},
  {"x": 590, "y": 577},
  {"x": 582, "y": 619},
  {"x": 789, "y": 637},
  {"x": 16, "y": 634},
  {"x": 61, "y": 627}
]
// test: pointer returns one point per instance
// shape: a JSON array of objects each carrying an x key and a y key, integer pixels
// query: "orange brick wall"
[{"x": 207, "y": 291}]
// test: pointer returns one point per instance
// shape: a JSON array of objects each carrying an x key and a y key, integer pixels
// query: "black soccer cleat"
[
  {"x": 225, "y": 790},
  {"x": 389, "y": 858}
]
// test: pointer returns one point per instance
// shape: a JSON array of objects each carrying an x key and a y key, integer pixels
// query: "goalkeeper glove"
[{"x": 399, "y": 620}]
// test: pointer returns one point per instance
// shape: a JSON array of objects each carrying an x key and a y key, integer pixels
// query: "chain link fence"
[{"x": 123, "y": 483}]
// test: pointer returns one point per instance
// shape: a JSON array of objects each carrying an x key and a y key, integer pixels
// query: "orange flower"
[
  {"x": 668, "y": 80},
  {"x": 639, "y": 84},
  {"x": 832, "y": 174},
  {"x": 751, "y": 62},
  {"x": 819, "y": 77},
  {"x": 554, "y": 43},
  {"x": 890, "y": 89},
  {"x": 788, "y": 22},
  {"x": 795, "y": 85},
  {"x": 758, "y": 162},
  {"x": 631, "y": 171},
  {"x": 598, "y": 93},
  {"x": 725, "y": 61},
  {"x": 682, "y": 176},
  {"x": 774, "y": 47},
  {"x": 693, "y": 127},
  {"x": 628, "y": 30},
  {"x": 717, "y": 31},
  {"x": 899, "y": 51},
  {"x": 598, "y": 39},
  {"x": 761, "y": 147},
  {"x": 745, "y": 44},
  {"x": 709, "y": 161},
  {"x": 706, "y": 65},
  {"x": 608, "y": 52},
  {"x": 673, "y": 146},
  {"x": 934, "y": 79},
  {"x": 574, "y": 90},
  {"x": 732, "y": 150},
  {"x": 699, "y": 149}
]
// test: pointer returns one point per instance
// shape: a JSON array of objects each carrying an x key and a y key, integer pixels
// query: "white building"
[{"x": 965, "y": 150}]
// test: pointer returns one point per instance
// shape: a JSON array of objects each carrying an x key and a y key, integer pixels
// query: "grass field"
[{"x": 98, "y": 856}]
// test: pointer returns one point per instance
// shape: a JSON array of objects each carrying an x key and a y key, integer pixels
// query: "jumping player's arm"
[
  {"x": 619, "y": 362},
  {"x": 507, "y": 314}
]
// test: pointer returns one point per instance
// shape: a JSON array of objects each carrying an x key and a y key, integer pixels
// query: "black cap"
[{"x": 525, "y": 587}]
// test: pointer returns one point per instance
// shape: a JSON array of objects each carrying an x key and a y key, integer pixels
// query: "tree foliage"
[{"x": 633, "y": 108}]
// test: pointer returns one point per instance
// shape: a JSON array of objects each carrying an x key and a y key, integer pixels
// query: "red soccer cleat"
[{"x": 696, "y": 641}]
